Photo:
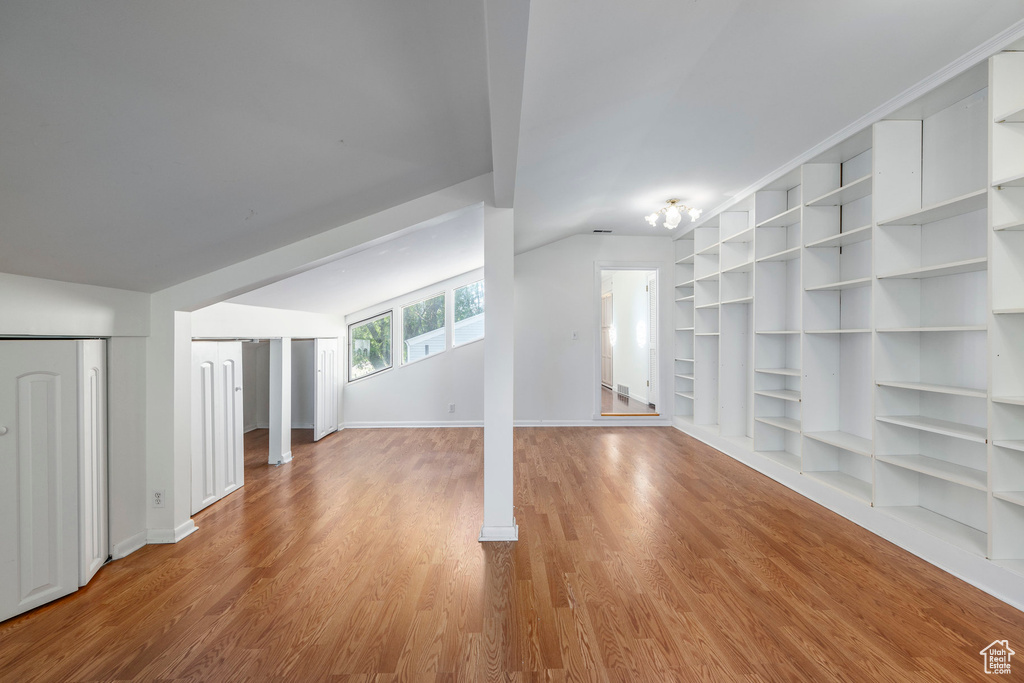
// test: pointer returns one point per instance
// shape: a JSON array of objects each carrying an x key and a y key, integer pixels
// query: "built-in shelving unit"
[
  {"x": 684, "y": 328},
  {"x": 860, "y": 320},
  {"x": 1006, "y": 324}
]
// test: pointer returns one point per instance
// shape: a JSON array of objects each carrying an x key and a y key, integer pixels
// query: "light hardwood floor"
[{"x": 643, "y": 556}]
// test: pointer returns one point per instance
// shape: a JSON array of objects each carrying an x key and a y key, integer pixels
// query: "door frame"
[{"x": 660, "y": 274}]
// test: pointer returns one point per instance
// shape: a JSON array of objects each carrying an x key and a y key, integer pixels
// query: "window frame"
[
  {"x": 447, "y": 332},
  {"x": 351, "y": 340},
  {"x": 482, "y": 336}
]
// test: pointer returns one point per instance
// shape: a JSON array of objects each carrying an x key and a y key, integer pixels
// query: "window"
[
  {"x": 423, "y": 331},
  {"x": 469, "y": 313},
  {"x": 369, "y": 346}
]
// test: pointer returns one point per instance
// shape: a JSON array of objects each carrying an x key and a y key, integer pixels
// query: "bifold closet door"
[
  {"x": 92, "y": 457},
  {"x": 39, "y": 550},
  {"x": 217, "y": 446},
  {"x": 325, "y": 414}
]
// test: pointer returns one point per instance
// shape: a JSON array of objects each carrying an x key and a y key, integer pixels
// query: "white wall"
[
  {"x": 126, "y": 443},
  {"x": 419, "y": 393},
  {"x": 557, "y": 293},
  {"x": 250, "y": 384},
  {"x": 36, "y": 307},
  {"x": 256, "y": 322},
  {"x": 629, "y": 309},
  {"x": 303, "y": 383}
]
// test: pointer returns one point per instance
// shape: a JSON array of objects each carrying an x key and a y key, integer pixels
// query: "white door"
[
  {"x": 606, "y": 340},
  {"x": 92, "y": 457},
  {"x": 325, "y": 412},
  {"x": 218, "y": 453},
  {"x": 652, "y": 339},
  {"x": 39, "y": 552}
]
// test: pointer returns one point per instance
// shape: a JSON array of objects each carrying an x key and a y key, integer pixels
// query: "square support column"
[
  {"x": 280, "y": 401},
  {"x": 499, "y": 283}
]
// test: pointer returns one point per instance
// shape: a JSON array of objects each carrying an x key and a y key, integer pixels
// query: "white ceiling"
[
  {"x": 626, "y": 105},
  {"x": 145, "y": 143},
  {"x": 436, "y": 251}
]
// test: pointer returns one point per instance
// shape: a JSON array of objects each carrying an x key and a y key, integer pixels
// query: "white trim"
[
  {"x": 285, "y": 458},
  {"x": 186, "y": 528},
  {"x": 954, "y": 68},
  {"x": 600, "y": 421},
  {"x": 304, "y": 425},
  {"x": 128, "y": 545},
  {"x": 974, "y": 569},
  {"x": 412, "y": 424},
  {"x": 499, "y": 533}
]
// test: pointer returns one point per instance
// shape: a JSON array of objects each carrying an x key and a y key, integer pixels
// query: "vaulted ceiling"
[{"x": 145, "y": 143}]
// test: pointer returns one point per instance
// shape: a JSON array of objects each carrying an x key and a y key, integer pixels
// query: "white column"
[
  {"x": 280, "y": 401},
  {"x": 499, "y": 266}
]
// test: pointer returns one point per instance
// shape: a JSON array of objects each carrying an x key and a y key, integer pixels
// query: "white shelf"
[
  {"x": 840, "y": 331},
  {"x": 685, "y": 259},
  {"x": 742, "y": 300},
  {"x": 936, "y": 388},
  {"x": 848, "y": 442},
  {"x": 1011, "y": 116},
  {"x": 940, "y": 469},
  {"x": 972, "y": 201},
  {"x": 787, "y": 423},
  {"x": 784, "y": 394},
  {"x": 940, "y": 270},
  {"x": 685, "y": 394},
  {"x": 778, "y": 332},
  {"x": 706, "y": 306},
  {"x": 741, "y": 268},
  {"x": 786, "y": 255},
  {"x": 1015, "y": 497},
  {"x": 846, "y": 284},
  {"x": 958, "y": 534},
  {"x": 685, "y": 360},
  {"x": 851, "y": 486},
  {"x": 936, "y": 426},
  {"x": 1009, "y": 400},
  {"x": 710, "y": 250},
  {"x": 852, "y": 191},
  {"x": 784, "y": 458},
  {"x": 782, "y": 220},
  {"x": 788, "y": 372},
  {"x": 690, "y": 377},
  {"x": 1014, "y": 224},
  {"x": 950, "y": 328},
  {"x": 1007, "y": 311},
  {"x": 860, "y": 234},
  {"x": 708, "y": 278},
  {"x": 745, "y": 236},
  {"x": 685, "y": 298},
  {"x": 1010, "y": 181},
  {"x": 684, "y": 329},
  {"x": 707, "y": 334},
  {"x": 1012, "y": 444},
  {"x": 688, "y": 283}
]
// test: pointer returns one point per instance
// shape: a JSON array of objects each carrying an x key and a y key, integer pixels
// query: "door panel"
[
  {"x": 325, "y": 413},
  {"x": 234, "y": 454},
  {"x": 92, "y": 448},
  {"x": 39, "y": 555},
  {"x": 218, "y": 450}
]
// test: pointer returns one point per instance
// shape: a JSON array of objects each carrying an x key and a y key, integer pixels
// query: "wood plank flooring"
[{"x": 643, "y": 556}]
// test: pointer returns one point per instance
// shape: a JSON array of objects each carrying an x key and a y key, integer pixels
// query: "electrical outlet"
[
  {"x": 451, "y": 407},
  {"x": 158, "y": 498}
]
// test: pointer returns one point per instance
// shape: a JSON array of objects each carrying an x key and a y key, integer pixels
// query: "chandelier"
[{"x": 673, "y": 214}]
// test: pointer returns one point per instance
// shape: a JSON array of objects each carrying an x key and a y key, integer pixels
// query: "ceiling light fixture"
[{"x": 673, "y": 214}]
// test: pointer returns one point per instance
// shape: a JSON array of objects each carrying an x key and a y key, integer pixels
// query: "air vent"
[{"x": 602, "y": 231}]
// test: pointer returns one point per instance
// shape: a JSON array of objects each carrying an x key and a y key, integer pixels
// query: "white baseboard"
[
  {"x": 171, "y": 535},
  {"x": 978, "y": 571},
  {"x": 128, "y": 546},
  {"x": 499, "y": 533},
  {"x": 304, "y": 425},
  {"x": 251, "y": 428},
  {"x": 599, "y": 421},
  {"x": 285, "y": 458},
  {"x": 410, "y": 425},
  {"x": 262, "y": 425}
]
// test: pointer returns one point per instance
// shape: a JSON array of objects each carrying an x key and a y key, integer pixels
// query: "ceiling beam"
[{"x": 507, "y": 26}]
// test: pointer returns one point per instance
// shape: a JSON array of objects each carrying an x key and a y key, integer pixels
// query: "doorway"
[{"x": 629, "y": 348}]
